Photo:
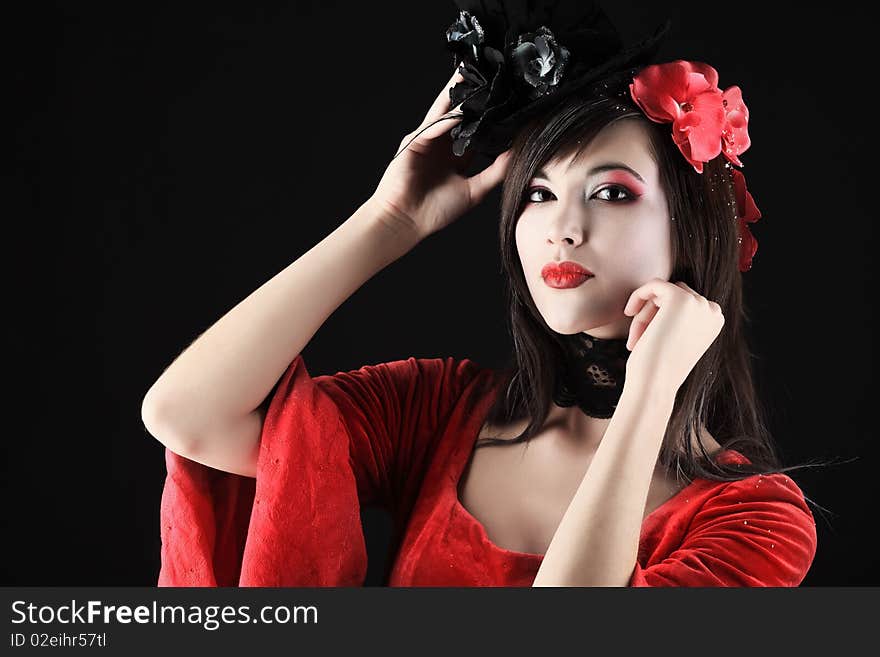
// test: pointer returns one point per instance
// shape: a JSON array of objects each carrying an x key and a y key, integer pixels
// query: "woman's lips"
[
  {"x": 562, "y": 280},
  {"x": 565, "y": 274}
]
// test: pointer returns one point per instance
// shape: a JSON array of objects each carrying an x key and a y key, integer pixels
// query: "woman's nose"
[{"x": 565, "y": 229}]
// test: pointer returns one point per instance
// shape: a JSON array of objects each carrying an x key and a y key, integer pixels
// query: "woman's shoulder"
[
  {"x": 446, "y": 362},
  {"x": 442, "y": 377},
  {"x": 773, "y": 493},
  {"x": 450, "y": 369}
]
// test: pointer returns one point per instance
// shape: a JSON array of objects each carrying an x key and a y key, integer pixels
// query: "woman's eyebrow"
[{"x": 610, "y": 166}]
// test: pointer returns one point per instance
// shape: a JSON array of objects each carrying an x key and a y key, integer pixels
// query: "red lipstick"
[{"x": 565, "y": 274}]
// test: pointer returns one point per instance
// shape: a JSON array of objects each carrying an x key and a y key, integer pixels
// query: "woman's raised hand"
[
  {"x": 423, "y": 188},
  {"x": 672, "y": 327}
]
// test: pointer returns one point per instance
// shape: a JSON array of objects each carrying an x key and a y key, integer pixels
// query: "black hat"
[{"x": 519, "y": 57}]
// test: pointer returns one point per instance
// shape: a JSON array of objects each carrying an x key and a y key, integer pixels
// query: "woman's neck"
[{"x": 591, "y": 374}]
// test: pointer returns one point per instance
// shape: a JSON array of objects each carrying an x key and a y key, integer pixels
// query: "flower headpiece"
[
  {"x": 519, "y": 57},
  {"x": 706, "y": 122}
]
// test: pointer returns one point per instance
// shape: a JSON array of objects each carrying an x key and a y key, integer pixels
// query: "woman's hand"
[
  {"x": 423, "y": 188},
  {"x": 672, "y": 328}
]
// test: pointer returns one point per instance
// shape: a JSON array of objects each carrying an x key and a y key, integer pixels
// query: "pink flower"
[
  {"x": 735, "y": 133},
  {"x": 747, "y": 212},
  {"x": 687, "y": 95}
]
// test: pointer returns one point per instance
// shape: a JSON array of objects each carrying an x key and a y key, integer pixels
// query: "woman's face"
[{"x": 611, "y": 221}]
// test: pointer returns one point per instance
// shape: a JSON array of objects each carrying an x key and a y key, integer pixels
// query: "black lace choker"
[{"x": 593, "y": 374}]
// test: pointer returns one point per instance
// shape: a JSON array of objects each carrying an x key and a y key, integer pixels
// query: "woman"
[{"x": 624, "y": 249}]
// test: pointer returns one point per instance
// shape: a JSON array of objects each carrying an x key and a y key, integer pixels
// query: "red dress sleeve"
[
  {"x": 394, "y": 413},
  {"x": 297, "y": 523},
  {"x": 327, "y": 444},
  {"x": 758, "y": 531}
]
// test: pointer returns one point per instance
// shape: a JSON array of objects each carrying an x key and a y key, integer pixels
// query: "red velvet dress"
[{"x": 399, "y": 435}]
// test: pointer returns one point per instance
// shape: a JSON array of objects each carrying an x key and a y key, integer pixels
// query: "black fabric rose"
[
  {"x": 494, "y": 84},
  {"x": 521, "y": 57},
  {"x": 465, "y": 36},
  {"x": 480, "y": 94},
  {"x": 486, "y": 83},
  {"x": 539, "y": 61}
]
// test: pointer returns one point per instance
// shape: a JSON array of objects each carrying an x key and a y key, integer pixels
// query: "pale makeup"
[{"x": 591, "y": 209}]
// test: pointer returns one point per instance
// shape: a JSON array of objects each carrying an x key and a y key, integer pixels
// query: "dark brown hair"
[{"x": 719, "y": 392}]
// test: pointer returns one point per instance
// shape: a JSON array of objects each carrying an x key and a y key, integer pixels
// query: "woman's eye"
[
  {"x": 612, "y": 194},
  {"x": 535, "y": 190},
  {"x": 617, "y": 193}
]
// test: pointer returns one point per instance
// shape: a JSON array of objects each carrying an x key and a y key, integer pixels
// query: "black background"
[{"x": 170, "y": 158}]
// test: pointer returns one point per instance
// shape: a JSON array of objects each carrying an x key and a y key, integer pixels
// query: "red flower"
[
  {"x": 747, "y": 212},
  {"x": 687, "y": 95},
  {"x": 735, "y": 134}
]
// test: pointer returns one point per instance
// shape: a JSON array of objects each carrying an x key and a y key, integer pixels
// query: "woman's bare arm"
[
  {"x": 206, "y": 404},
  {"x": 597, "y": 541}
]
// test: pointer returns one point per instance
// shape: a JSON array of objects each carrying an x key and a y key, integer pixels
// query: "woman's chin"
[
  {"x": 577, "y": 324},
  {"x": 567, "y": 326}
]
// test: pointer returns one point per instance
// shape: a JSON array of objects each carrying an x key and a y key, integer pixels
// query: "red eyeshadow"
[{"x": 623, "y": 178}]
